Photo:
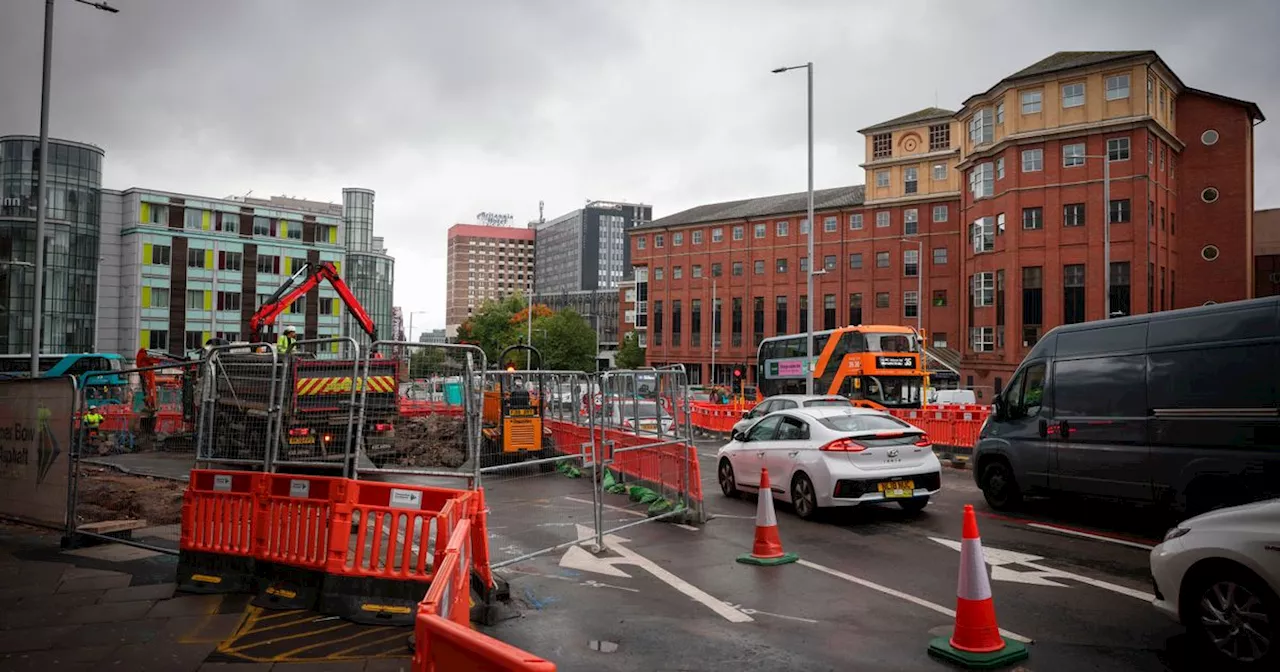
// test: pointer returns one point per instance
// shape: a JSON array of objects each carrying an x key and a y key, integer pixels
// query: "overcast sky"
[{"x": 447, "y": 109}]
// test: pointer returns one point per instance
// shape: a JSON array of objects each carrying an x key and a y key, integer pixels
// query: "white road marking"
[
  {"x": 731, "y": 615},
  {"x": 901, "y": 595},
  {"x": 686, "y": 527},
  {"x": 1033, "y": 578},
  {"x": 730, "y": 515},
  {"x": 1087, "y": 535},
  {"x": 708, "y": 455},
  {"x": 997, "y": 557},
  {"x": 577, "y": 557},
  {"x": 597, "y": 584},
  {"x": 752, "y": 612}
]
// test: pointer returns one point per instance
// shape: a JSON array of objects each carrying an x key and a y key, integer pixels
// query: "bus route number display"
[{"x": 895, "y": 362}]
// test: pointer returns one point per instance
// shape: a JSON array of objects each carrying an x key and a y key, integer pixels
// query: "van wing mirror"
[{"x": 998, "y": 408}]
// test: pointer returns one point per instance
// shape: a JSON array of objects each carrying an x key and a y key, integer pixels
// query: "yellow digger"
[{"x": 513, "y": 415}]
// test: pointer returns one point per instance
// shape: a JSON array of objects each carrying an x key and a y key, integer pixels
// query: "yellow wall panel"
[
  {"x": 146, "y": 297},
  {"x": 146, "y": 253}
]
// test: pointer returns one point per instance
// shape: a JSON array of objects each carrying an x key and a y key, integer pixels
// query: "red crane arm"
[
  {"x": 353, "y": 304},
  {"x": 280, "y": 301}
]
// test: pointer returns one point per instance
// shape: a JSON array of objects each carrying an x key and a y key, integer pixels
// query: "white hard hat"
[{"x": 290, "y": 330}]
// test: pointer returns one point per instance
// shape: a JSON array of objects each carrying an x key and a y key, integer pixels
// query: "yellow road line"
[
  {"x": 290, "y": 654},
  {"x": 287, "y": 638},
  {"x": 289, "y": 624},
  {"x": 401, "y": 635},
  {"x": 277, "y": 614}
]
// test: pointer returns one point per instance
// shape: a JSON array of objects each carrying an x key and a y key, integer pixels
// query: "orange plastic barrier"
[
  {"x": 292, "y": 536},
  {"x": 663, "y": 466},
  {"x": 216, "y": 547},
  {"x": 413, "y": 408},
  {"x": 399, "y": 541}
]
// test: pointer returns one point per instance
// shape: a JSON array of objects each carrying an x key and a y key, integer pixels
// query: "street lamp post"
[
  {"x": 808, "y": 379},
  {"x": 42, "y": 176},
  {"x": 411, "y": 314}
]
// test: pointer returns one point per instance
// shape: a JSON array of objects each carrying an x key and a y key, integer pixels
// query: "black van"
[{"x": 1180, "y": 408}]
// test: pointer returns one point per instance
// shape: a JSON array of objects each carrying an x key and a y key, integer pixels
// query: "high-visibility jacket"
[
  {"x": 92, "y": 419},
  {"x": 284, "y": 343}
]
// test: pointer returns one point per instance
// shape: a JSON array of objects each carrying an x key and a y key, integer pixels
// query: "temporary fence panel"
[
  {"x": 386, "y": 544},
  {"x": 217, "y": 544},
  {"x": 36, "y": 420},
  {"x": 645, "y": 452},
  {"x": 238, "y": 389},
  {"x": 419, "y": 413},
  {"x": 534, "y": 449},
  {"x": 317, "y": 402}
]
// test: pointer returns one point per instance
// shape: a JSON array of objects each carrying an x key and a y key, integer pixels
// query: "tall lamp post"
[
  {"x": 411, "y": 314},
  {"x": 808, "y": 379},
  {"x": 42, "y": 177}
]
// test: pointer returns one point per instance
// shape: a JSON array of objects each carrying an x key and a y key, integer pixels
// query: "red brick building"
[
  {"x": 484, "y": 262},
  {"x": 984, "y": 225}
]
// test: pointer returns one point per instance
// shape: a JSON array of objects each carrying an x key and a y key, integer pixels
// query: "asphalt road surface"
[{"x": 872, "y": 587}]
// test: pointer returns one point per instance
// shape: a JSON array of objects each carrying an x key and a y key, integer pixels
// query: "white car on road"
[
  {"x": 782, "y": 402},
  {"x": 1219, "y": 574},
  {"x": 831, "y": 456}
]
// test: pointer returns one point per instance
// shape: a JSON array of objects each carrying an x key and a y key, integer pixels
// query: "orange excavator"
[{"x": 152, "y": 379}]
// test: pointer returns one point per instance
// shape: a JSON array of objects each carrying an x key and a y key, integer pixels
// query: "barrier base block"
[
  {"x": 784, "y": 559},
  {"x": 286, "y": 587},
  {"x": 940, "y": 647},
  {"x": 211, "y": 573},
  {"x": 371, "y": 601}
]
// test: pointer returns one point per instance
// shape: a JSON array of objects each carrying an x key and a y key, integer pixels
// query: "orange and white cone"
[
  {"x": 767, "y": 547},
  {"x": 975, "y": 642}
]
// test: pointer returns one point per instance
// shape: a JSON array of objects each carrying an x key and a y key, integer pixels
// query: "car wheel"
[
  {"x": 999, "y": 486},
  {"x": 1237, "y": 617},
  {"x": 803, "y": 497},
  {"x": 728, "y": 485},
  {"x": 915, "y": 504}
]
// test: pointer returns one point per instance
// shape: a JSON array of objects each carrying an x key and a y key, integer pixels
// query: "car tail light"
[
  {"x": 328, "y": 438},
  {"x": 889, "y": 434},
  {"x": 843, "y": 446},
  {"x": 382, "y": 427},
  {"x": 923, "y": 441},
  {"x": 299, "y": 431}
]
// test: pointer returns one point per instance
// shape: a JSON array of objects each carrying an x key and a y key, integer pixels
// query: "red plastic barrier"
[
  {"x": 414, "y": 408},
  {"x": 293, "y": 518},
  {"x": 444, "y": 646},
  {"x": 217, "y": 512},
  {"x": 661, "y": 465}
]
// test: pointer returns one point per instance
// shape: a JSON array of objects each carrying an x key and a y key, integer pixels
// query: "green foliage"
[
  {"x": 630, "y": 354},
  {"x": 565, "y": 340}
]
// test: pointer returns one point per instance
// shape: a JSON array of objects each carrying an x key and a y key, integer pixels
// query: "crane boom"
[{"x": 291, "y": 290}]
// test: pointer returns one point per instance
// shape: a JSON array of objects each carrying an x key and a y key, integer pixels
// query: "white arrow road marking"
[
  {"x": 1087, "y": 535},
  {"x": 997, "y": 557},
  {"x": 630, "y": 557},
  {"x": 577, "y": 557},
  {"x": 900, "y": 595},
  {"x": 752, "y": 612},
  {"x": 597, "y": 584},
  {"x": 630, "y": 512}
]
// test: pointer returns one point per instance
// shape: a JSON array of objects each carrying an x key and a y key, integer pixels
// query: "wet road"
[{"x": 872, "y": 587}]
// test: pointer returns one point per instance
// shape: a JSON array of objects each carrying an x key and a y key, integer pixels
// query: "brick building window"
[
  {"x": 677, "y": 317},
  {"x": 804, "y": 264},
  {"x": 939, "y": 256},
  {"x": 982, "y": 234},
  {"x": 757, "y": 319},
  {"x": 882, "y": 260},
  {"x": 939, "y": 137},
  {"x": 910, "y": 222},
  {"x": 855, "y": 261},
  {"x": 881, "y": 146},
  {"x": 829, "y": 311},
  {"x": 940, "y": 214},
  {"x": 911, "y": 263},
  {"x": 1120, "y": 288},
  {"x": 1073, "y": 214},
  {"x": 717, "y": 270},
  {"x": 855, "y": 222},
  {"x": 910, "y": 180},
  {"x": 780, "y": 229},
  {"x": 659, "y": 242},
  {"x": 640, "y": 242},
  {"x": 1032, "y": 219},
  {"x": 780, "y": 315},
  {"x": 982, "y": 181},
  {"x": 982, "y": 339},
  {"x": 657, "y": 320},
  {"x": 697, "y": 237},
  {"x": 738, "y": 233},
  {"x": 1118, "y": 87},
  {"x": 829, "y": 262},
  {"x": 1073, "y": 294},
  {"x": 804, "y": 312},
  {"x": 1032, "y": 160},
  {"x": 717, "y": 329},
  {"x": 1073, "y": 155},
  {"x": 882, "y": 219},
  {"x": 1032, "y": 304},
  {"x": 830, "y": 224},
  {"x": 758, "y": 268},
  {"x": 1120, "y": 211},
  {"x": 697, "y": 270},
  {"x": 855, "y": 308},
  {"x": 882, "y": 299},
  {"x": 1151, "y": 287},
  {"x": 982, "y": 127},
  {"x": 940, "y": 298},
  {"x": 1118, "y": 149},
  {"x": 677, "y": 239},
  {"x": 735, "y": 322},
  {"x": 677, "y": 272},
  {"x": 761, "y": 230},
  {"x": 780, "y": 266},
  {"x": 982, "y": 289},
  {"x": 910, "y": 304},
  {"x": 695, "y": 322},
  {"x": 737, "y": 269}
]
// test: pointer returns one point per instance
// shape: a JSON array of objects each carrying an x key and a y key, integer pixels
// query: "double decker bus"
[{"x": 881, "y": 364}]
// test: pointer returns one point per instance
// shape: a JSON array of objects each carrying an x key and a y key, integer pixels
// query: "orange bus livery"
[{"x": 880, "y": 364}]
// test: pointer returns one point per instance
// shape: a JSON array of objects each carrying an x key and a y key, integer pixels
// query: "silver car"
[{"x": 782, "y": 402}]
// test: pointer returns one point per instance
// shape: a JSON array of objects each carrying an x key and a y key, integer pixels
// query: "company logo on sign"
[{"x": 895, "y": 362}]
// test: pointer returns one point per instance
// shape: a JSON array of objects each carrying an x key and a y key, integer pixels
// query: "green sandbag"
[
  {"x": 607, "y": 482},
  {"x": 643, "y": 495},
  {"x": 659, "y": 507}
]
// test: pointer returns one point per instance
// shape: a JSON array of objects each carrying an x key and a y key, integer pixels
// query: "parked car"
[
  {"x": 1177, "y": 408},
  {"x": 1219, "y": 575},
  {"x": 833, "y": 456},
  {"x": 782, "y": 402},
  {"x": 641, "y": 416}
]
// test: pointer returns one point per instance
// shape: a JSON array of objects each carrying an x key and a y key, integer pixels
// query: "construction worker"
[
  {"x": 91, "y": 421},
  {"x": 285, "y": 343}
]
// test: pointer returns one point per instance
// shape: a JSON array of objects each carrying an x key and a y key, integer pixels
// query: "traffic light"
[{"x": 737, "y": 372}]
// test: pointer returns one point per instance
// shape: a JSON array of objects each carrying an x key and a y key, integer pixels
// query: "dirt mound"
[
  {"x": 104, "y": 494},
  {"x": 432, "y": 441}
]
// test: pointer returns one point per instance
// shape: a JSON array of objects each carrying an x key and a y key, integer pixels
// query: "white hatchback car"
[
  {"x": 1219, "y": 574},
  {"x": 830, "y": 456},
  {"x": 782, "y": 402}
]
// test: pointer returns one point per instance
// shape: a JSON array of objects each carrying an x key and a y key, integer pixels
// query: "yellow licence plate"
[
  {"x": 895, "y": 489},
  {"x": 301, "y": 440}
]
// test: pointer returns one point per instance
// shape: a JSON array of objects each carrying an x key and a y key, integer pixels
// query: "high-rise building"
[
  {"x": 984, "y": 226},
  {"x": 485, "y": 262},
  {"x": 73, "y": 238},
  {"x": 586, "y": 249},
  {"x": 370, "y": 269}
]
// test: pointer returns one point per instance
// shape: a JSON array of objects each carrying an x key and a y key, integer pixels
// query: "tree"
[
  {"x": 566, "y": 341},
  {"x": 630, "y": 354},
  {"x": 497, "y": 325}
]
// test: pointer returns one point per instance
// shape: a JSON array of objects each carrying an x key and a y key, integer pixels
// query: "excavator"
[{"x": 152, "y": 380}]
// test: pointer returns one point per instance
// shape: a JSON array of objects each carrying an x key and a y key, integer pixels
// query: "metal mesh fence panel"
[
  {"x": 419, "y": 413},
  {"x": 317, "y": 398},
  {"x": 239, "y": 390}
]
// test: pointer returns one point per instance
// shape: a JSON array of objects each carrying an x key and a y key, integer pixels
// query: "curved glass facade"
[
  {"x": 370, "y": 277},
  {"x": 72, "y": 229},
  {"x": 357, "y": 211}
]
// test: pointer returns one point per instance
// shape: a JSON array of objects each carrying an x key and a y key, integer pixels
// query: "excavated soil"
[
  {"x": 105, "y": 494},
  {"x": 432, "y": 441}
]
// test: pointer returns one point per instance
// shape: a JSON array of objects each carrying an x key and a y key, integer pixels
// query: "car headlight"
[{"x": 1175, "y": 532}]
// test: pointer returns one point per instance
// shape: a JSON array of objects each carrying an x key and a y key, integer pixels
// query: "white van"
[{"x": 947, "y": 397}]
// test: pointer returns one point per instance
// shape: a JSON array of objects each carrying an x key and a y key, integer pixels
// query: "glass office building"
[
  {"x": 370, "y": 271},
  {"x": 72, "y": 230}
]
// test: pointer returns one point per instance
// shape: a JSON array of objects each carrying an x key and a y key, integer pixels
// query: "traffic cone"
[
  {"x": 767, "y": 548},
  {"x": 975, "y": 642}
]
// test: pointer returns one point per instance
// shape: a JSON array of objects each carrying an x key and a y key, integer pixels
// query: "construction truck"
[
  {"x": 314, "y": 396},
  {"x": 513, "y": 414}
]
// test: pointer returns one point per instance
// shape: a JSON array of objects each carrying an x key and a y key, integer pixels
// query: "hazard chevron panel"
[{"x": 341, "y": 384}]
